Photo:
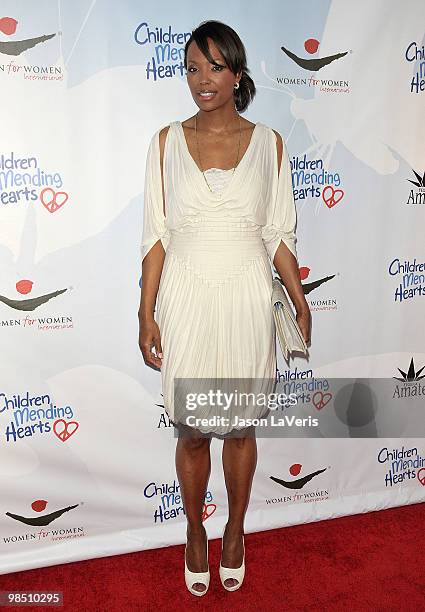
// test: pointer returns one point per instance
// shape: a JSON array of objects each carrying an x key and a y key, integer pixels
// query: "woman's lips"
[{"x": 210, "y": 96}]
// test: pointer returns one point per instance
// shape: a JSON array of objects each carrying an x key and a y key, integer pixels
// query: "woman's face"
[{"x": 216, "y": 82}]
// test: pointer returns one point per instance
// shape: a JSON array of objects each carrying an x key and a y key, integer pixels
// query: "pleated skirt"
[{"x": 215, "y": 318}]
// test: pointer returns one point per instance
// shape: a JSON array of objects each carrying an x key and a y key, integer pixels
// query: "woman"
[{"x": 218, "y": 210}]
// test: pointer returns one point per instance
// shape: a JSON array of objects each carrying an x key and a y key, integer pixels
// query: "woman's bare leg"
[
  {"x": 239, "y": 458},
  {"x": 193, "y": 465}
]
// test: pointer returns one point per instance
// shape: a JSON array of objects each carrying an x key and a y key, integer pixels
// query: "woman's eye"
[{"x": 216, "y": 68}]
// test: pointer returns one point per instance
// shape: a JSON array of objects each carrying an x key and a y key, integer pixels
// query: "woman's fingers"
[
  {"x": 158, "y": 348},
  {"x": 149, "y": 337},
  {"x": 149, "y": 356}
]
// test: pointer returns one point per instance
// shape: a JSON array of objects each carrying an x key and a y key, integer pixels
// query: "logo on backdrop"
[
  {"x": 297, "y": 482},
  {"x": 23, "y": 180},
  {"x": 8, "y": 26},
  {"x": 164, "y": 419},
  {"x": 24, "y": 286},
  {"x": 314, "y": 64},
  {"x": 417, "y": 196},
  {"x": 402, "y": 465},
  {"x": 307, "y": 388},
  {"x": 413, "y": 54},
  {"x": 42, "y": 520},
  {"x": 293, "y": 375},
  {"x": 410, "y": 380},
  {"x": 169, "y": 501},
  {"x": 166, "y": 47},
  {"x": 26, "y": 416},
  {"x": 39, "y": 323},
  {"x": 310, "y": 179},
  {"x": 328, "y": 303},
  {"x": 410, "y": 278}
]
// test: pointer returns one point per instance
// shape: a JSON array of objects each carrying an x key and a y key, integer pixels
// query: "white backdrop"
[{"x": 86, "y": 450}]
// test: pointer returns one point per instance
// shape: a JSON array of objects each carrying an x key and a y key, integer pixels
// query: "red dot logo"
[
  {"x": 39, "y": 505},
  {"x": 8, "y": 25},
  {"x": 24, "y": 286},
  {"x": 295, "y": 469},
  {"x": 304, "y": 272},
  {"x": 311, "y": 45}
]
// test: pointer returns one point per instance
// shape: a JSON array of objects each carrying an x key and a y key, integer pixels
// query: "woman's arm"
[
  {"x": 152, "y": 264},
  {"x": 151, "y": 274},
  {"x": 287, "y": 267}
]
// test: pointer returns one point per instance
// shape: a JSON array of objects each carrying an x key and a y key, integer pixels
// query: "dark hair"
[{"x": 233, "y": 51}]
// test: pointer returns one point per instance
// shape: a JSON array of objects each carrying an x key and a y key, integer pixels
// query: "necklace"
[{"x": 199, "y": 155}]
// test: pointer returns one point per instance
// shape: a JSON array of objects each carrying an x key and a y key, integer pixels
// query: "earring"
[{"x": 236, "y": 86}]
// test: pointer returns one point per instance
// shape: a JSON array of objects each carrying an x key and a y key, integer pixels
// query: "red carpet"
[{"x": 371, "y": 562}]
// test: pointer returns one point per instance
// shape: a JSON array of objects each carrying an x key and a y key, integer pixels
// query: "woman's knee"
[
  {"x": 241, "y": 437},
  {"x": 194, "y": 444}
]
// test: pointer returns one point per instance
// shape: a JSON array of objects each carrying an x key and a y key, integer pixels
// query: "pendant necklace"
[{"x": 199, "y": 156}]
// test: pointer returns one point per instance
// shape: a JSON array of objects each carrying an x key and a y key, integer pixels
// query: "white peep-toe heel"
[
  {"x": 192, "y": 578},
  {"x": 237, "y": 573}
]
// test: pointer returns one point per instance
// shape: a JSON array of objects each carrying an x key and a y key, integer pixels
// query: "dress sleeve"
[
  {"x": 281, "y": 212},
  {"x": 154, "y": 227}
]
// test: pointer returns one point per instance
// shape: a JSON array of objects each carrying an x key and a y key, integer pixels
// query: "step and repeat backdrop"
[{"x": 86, "y": 448}]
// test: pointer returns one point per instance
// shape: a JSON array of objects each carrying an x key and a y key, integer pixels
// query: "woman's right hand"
[{"x": 149, "y": 337}]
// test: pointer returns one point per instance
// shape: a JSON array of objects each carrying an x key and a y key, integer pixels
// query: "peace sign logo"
[
  {"x": 64, "y": 429},
  {"x": 421, "y": 476},
  {"x": 53, "y": 200},
  {"x": 321, "y": 399}
]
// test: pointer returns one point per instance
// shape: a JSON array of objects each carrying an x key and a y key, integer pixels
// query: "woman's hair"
[{"x": 233, "y": 51}]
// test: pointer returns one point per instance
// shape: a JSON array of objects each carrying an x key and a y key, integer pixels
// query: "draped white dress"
[{"x": 213, "y": 305}]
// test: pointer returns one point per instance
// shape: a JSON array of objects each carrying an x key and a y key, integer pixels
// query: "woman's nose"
[{"x": 203, "y": 75}]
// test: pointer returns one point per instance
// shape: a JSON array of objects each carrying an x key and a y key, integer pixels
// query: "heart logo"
[
  {"x": 208, "y": 510},
  {"x": 53, "y": 200},
  {"x": 321, "y": 399},
  {"x": 421, "y": 476},
  {"x": 65, "y": 429},
  {"x": 333, "y": 198}
]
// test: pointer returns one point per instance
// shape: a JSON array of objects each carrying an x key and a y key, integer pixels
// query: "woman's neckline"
[
  {"x": 179, "y": 123},
  {"x": 220, "y": 169}
]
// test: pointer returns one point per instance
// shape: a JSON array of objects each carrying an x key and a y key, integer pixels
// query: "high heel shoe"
[
  {"x": 237, "y": 573},
  {"x": 192, "y": 578}
]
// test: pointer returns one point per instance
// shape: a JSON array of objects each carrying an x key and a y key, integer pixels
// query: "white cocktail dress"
[{"x": 213, "y": 305}]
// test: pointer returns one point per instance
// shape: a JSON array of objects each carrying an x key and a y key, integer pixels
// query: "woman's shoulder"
[
  {"x": 275, "y": 142},
  {"x": 162, "y": 134},
  {"x": 159, "y": 137},
  {"x": 271, "y": 131},
  {"x": 164, "y": 129}
]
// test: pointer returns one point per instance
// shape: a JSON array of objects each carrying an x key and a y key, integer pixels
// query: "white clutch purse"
[{"x": 287, "y": 328}]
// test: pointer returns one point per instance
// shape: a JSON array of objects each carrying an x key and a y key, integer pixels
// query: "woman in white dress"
[{"x": 218, "y": 211}]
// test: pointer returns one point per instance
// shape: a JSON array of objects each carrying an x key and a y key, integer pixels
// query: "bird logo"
[
  {"x": 314, "y": 64},
  {"x": 16, "y": 47}
]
